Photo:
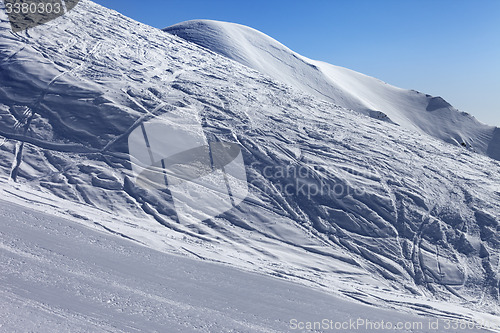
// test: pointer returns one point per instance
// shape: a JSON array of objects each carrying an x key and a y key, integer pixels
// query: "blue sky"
[{"x": 448, "y": 48}]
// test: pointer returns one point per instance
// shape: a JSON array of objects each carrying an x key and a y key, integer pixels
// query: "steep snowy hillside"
[
  {"x": 349, "y": 89},
  {"x": 354, "y": 205}
]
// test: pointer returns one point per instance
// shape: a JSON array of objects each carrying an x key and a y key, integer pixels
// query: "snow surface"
[
  {"x": 408, "y": 108},
  {"x": 411, "y": 222},
  {"x": 60, "y": 276}
]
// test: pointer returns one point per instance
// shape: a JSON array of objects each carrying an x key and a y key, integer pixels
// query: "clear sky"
[{"x": 448, "y": 48}]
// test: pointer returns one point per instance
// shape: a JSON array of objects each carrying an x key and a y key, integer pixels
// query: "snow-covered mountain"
[
  {"x": 349, "y": 89},
  {"x": 358, "y": 206}
]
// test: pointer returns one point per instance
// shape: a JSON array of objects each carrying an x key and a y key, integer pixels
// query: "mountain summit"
[{"x": 349, "y": 89}]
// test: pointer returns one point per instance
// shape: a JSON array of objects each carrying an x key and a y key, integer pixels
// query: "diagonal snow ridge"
[
  {"x": 371, "y": 209},
  {"x": 344, "y": 87}
]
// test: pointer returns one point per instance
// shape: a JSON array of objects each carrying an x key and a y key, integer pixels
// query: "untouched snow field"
[{"x": 340, "y": 198}]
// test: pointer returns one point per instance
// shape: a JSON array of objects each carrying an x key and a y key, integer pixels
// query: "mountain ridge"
[{"x": 341, "y": 86}]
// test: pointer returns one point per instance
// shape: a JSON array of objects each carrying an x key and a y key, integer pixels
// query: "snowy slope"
[
  {"x": 344, "y": 87},
  {"x": 403, "y": 220},
  {"x": 59, "y": 276}
]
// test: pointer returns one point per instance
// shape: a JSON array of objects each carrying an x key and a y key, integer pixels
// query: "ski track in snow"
[
  {"x": 422, "y": 236},
  {"x": 59, "y": 276},
  {"x": 349, "y": 89}
]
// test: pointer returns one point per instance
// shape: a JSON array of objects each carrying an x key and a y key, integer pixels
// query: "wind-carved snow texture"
[{"x": 357, "y": 205}]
